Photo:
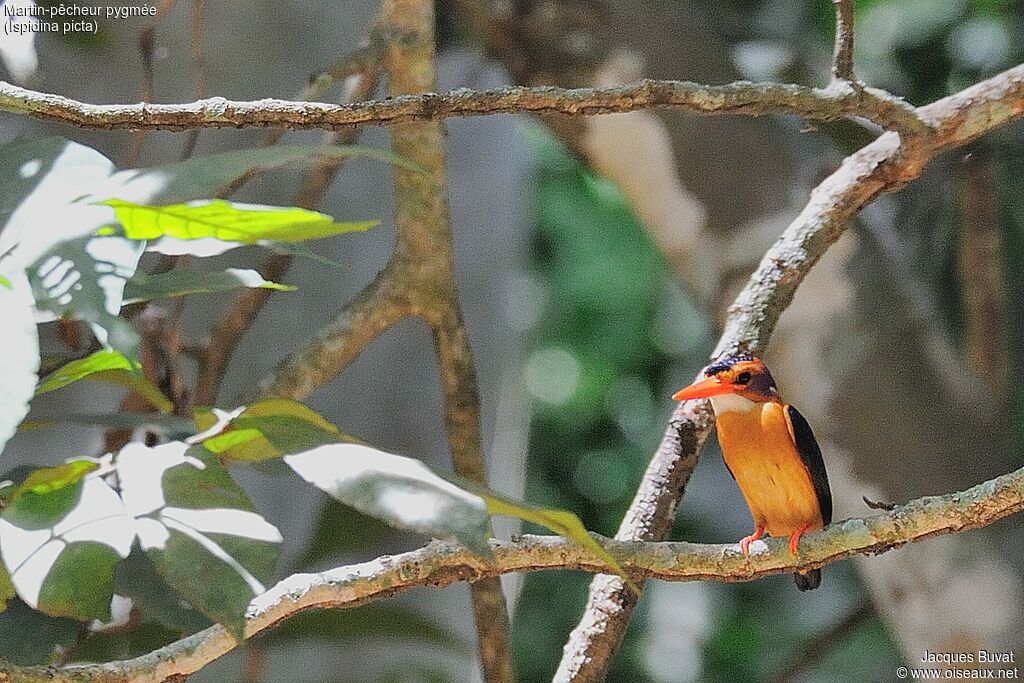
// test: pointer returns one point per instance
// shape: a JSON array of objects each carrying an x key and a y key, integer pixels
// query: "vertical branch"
[
  {"x": 424, "y": 246},
  {"x": 842, "y": 54},
  {"x": 981, "y": 275},
  {"x": 199, "y": 67},
  {"x": 147, "y": 44}
]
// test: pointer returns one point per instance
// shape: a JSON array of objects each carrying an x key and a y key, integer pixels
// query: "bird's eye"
[{"x": 743, "y": 378}]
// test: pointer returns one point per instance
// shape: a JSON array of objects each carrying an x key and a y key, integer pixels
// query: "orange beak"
[{"x": 704, "y": 388}]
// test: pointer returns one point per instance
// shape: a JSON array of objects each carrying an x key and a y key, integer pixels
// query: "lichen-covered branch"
[
  {"x": 822, "y": 104},
  {"x": 441, "y": 564},
  {"x": 424, "y": 246},
  {"x": 842, "y": 55},
  {"x": 883, "y": 166}
]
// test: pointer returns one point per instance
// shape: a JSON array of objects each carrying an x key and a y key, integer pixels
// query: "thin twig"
[
  {"x": 198, "y": 66},
  {"x": 816, "y": 648},
  {"x": 241, "y": 311},
  {"x": 822, "y": 104},
  {"x": 842, "y": 55},
  {"x": 441, "y": 564},
  {"x": 982, "y": 285},
  {"x": 147, "y": 45}
]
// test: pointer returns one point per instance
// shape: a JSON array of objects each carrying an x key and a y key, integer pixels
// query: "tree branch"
[
  {"x": 822, "y": 104},
  {"x": 424, "y": 245},
  {"x": 842, "y": 55},
  {"x": 440, "y": 564},
  {"x": 241, "y": 311},
  {"x": 883, "y": 166}
]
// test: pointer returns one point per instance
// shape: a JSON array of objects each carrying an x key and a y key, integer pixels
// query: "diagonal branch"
[
  {"x": 882, "y": 166},
  {"x": 241, "y": 311},
  {"x": 822, "y": 104},
  {"x": 441, "y": 564}
]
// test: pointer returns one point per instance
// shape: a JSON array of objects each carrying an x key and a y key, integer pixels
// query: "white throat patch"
[{"x": 731, "y": 403}]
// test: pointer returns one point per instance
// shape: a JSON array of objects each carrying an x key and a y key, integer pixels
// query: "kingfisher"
[{"x": 770, "y": 451}]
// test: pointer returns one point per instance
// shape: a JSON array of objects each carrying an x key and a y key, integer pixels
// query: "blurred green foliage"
[{"x": 597, "y": 371}]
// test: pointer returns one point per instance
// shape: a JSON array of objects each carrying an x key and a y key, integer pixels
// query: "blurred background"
[{"x": 596, "y": 258}]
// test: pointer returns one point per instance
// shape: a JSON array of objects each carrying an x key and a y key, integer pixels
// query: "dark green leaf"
[
  {"x": 29, "y": 637},
  {"x": 84, "y": 279},
  {"x": 193, "y": 520},
  {"x": 61, "y": 537},
  {"x": 144, "y": 286}
]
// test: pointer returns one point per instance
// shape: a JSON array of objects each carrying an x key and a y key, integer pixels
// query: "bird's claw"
[
  {"x": 794, "y": 538},
  {"x": 747, "y": 540}
]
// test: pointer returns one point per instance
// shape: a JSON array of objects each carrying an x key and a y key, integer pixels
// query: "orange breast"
[{"x": 762, "y": 456}]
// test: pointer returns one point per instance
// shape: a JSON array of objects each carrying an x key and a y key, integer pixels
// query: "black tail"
[{"x": 809, "y": 580}]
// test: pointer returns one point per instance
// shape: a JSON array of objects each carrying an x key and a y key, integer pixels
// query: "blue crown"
[{"x": 723, "y": 364}]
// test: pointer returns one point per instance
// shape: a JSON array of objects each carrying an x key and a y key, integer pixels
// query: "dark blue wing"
[{"x": 810, "y": 454}]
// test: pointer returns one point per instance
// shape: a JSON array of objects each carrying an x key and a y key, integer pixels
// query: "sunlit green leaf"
[
  {"x": 145, "y": 286},
  {"x": 562, "y": 522},
  {"x": 49, "y": 479},
  {"x": 194, "y": 521},
  {"x": 401, "y": 491},
  {"x": 20, "y": 357},
  {"x": 61, "y": 536},
  {"x": 111, "y": 367},
  {"x": 269, "y": 429},
  {"x": 227, "y": 221}
]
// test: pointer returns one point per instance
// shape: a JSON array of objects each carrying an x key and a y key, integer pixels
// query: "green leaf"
[
  {"x": 111, "y": 367},
  {"x": 562, "y": 522},
  {"x": 145, "y": 287},
  {"x": 50, "y": 479},
  {"x": 167, "y": 425},
  {"x": 137, "y": 579},
  {"x": 29, "y": 637},
  {"x": 208, "y": 176},
  {"x": 121, "y": 644},
  {"x": 194, "y": 521},
  {"x": 401, "y": 491},
  {"x": 7, "y": 592},
  {"x": 20, "y": 358},
  {"x": 268, "y": 429},
  {"x": 5, "y": 282},
  {"x": 84, "y": 279},
  {"x": 61, "y": 536},
  {"x": 227, "y": 221},
  {"x": 301, "y": 250}
]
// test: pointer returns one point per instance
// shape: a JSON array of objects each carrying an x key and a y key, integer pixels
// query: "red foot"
[
  {"x": 747, "y": 540},
  {"x": 794, "y": 538}
]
